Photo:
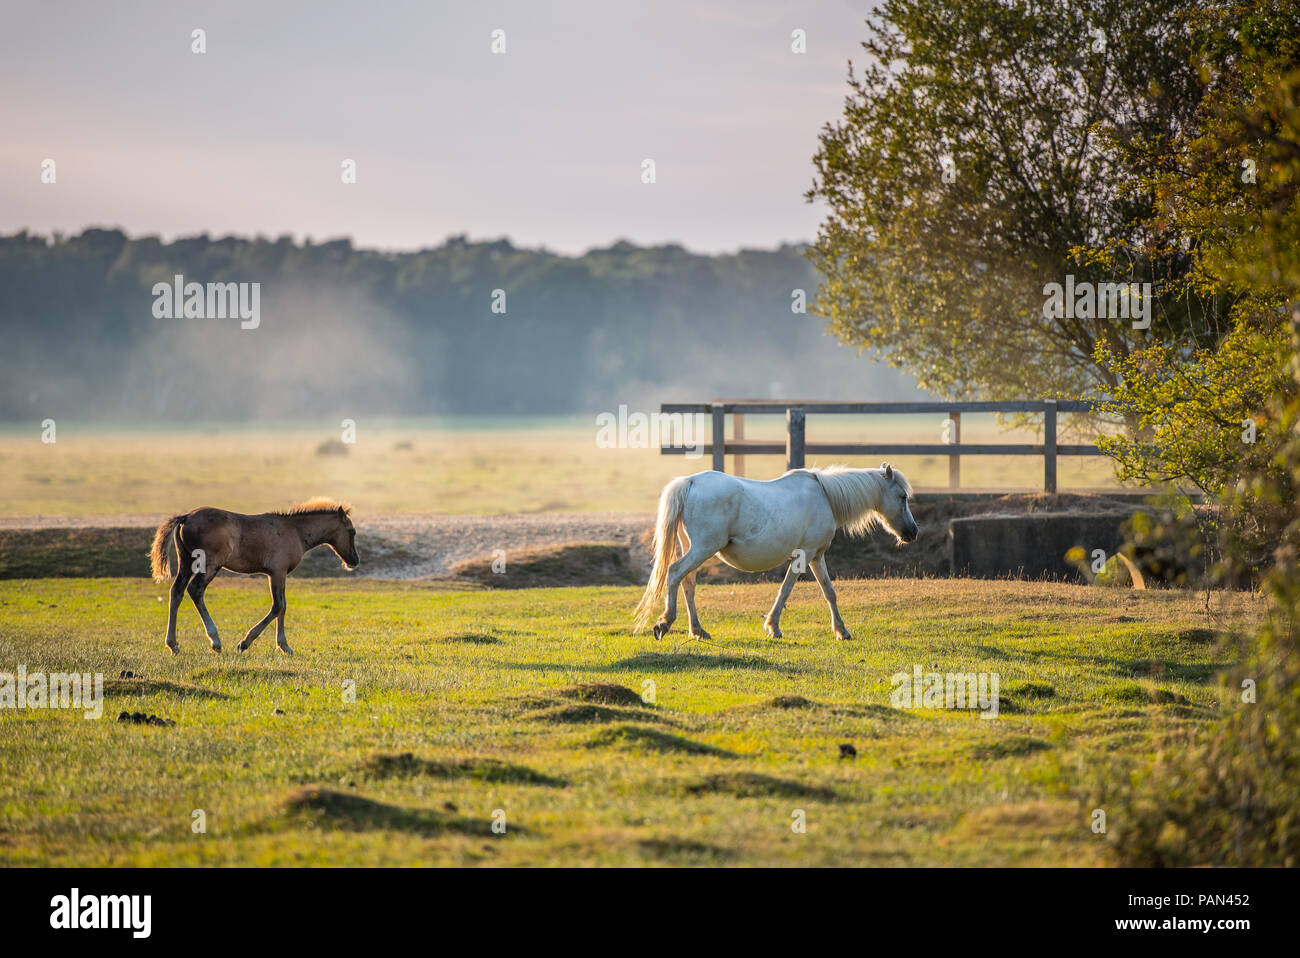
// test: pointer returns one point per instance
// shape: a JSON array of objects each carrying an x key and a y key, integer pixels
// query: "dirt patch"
[
  {"x": 606, "y": 693},
  {"x": 588, "y": 563},
  {"x": 586, "y": 712},
  {"x": 472, "y": 638},
  {"x": 789, "y": 702},
  {"x": 540, "y": 549},
  {"x": 80, "y": 552},
  {"x": 753, "y": 785},
  {"x": 318, "y": 807},
  {"x": 404, "y": 764},
  {"x": 652, "y": 740}
]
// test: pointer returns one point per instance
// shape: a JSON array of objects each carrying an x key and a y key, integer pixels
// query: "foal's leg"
[
  {"x": 177, "y": 594},
  {"x": 198, "y": 585},
  {"x": 772, "y": 624},
  {"x": 688, "y": 589},
  {"x": 823, "y": 578},
  {"x": 679, "y": 570},
  {"x": 276, "y": 600},
  {"x": 277, "y": 597}
]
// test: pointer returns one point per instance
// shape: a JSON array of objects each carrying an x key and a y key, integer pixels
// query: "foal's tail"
[
  {"x": 671, "y": 503},
  {"x": 159, "y": 557}
]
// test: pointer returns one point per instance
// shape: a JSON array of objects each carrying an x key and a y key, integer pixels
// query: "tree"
[
  {"x": 1231, "y": 795},
  {"x": 1224, "y": 192},
  {"x": 978, "y": 159}
]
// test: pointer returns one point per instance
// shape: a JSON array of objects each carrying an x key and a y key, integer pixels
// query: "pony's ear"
[
  {"x": 343, "y": 513},
  {"x": 889, "y": 470}
]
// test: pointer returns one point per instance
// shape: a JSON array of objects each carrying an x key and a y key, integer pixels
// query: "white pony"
[{"x": 756, "y": 526}]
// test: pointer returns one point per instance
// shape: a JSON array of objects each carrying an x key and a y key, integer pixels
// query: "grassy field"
[
  {"x": 470, "y": 703},
  {"x": 467, "y": 466}
]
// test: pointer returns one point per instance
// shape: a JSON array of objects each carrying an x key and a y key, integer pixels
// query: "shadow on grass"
[
  {"x": 753, "y": 785},
  {"x": 316, "y": 807},
  {"x": 652, "y": 740},
  {"x": 575, "y": 713},
  {"x": 159, "y": 687},
  {"x": 677, "y": 661},
  {"x": 683, "y": 851},
  {"x": 382, "y": 765}
]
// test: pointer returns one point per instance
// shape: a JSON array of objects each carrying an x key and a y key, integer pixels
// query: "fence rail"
[{"x": 796, "y": 447}]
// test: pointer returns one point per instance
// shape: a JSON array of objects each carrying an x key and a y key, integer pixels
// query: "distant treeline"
[{"x": 352, "y": 331}]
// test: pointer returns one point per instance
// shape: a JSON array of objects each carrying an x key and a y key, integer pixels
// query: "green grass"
[{"x": 470, "y": 702}]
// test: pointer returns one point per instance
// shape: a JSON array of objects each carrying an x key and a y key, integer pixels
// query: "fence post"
[
  {"x": 794, "y": 439},
  {"x": 719, "y": 437},
  {"x": 738, "y": 431},
  {"x": 954, "y": 462},
  {"x": 1049, "y": 446}
]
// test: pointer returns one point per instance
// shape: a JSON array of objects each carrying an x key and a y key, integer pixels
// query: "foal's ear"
[
  {"x": 889, "y": 470},
  {"x": 343, "y": 513}
]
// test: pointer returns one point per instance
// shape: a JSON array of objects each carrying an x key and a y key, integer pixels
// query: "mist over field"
[{"x": 461, "y": 328}]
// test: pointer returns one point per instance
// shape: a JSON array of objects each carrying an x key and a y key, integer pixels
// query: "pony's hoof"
[
  {"x": 285, "y": 649},
  {"x": 843, "y": 636},
  {"x": 701, "y": 635},
  {"x": 217, "y": 648},
  {"x": 242, "y": 647},
  {"x": 174, "y": 649},
  {"x": 773, "y": 631},
  {"x": 661, "y": 629}
]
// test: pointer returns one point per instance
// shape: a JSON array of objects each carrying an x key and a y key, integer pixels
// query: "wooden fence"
[{"x": 796, "y": 447}]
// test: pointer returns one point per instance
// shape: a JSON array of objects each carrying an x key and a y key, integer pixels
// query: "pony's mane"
[
  {"x": 855, "y": 494},
  {"x": 316, "y": 504}
]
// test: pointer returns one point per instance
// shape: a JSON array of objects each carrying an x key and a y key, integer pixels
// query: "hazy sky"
[{"x": 543, "y": 144}]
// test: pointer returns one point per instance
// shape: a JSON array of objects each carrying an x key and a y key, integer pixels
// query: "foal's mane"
[
  {"x": 855, "y": 494},
  {"x": 314, "y": 505}
]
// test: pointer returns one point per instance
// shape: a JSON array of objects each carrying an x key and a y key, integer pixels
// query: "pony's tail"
[
  {"x": 159, "y": 557},
  {"x": 671, "y": 503}
]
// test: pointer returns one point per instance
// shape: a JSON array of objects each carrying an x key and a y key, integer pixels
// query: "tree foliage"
[{"x": 1027, "y": 105}]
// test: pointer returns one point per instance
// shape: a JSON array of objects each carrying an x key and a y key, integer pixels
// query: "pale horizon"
[{"x": 542, "y": 145}]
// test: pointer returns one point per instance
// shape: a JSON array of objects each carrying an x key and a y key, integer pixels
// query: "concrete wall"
[{"x": 1030, "y": 546}]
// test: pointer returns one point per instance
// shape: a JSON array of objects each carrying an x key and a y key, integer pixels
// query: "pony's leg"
[
  {"x": 256, "y": 630},
  {"x": 277, "y": 597},
  {"x": 688, "y": 590},
  {"x": 823, "y": 577},
  {"x": 198, "y": 585},
  {"x": 679, "y": 570},
  {"x": 772, "y": 624},
  {"x": 177, "y": 594}
]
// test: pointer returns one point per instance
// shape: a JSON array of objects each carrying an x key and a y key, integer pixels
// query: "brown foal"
[{"x": 270, "y": 544}]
